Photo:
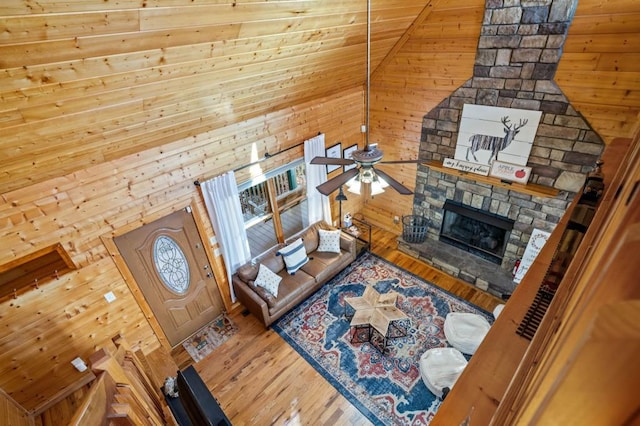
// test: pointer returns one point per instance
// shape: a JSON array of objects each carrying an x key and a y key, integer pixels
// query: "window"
[
  {"x": 171, "y": 264},
  {"x": 274, "y": 206}
]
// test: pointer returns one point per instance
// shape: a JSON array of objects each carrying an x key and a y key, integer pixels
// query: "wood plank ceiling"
[{"x": 84, "y": 82}]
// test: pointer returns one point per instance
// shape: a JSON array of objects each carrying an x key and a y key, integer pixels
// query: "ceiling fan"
[
  {"x": 365, "y": 172},
  {"x": 365, "y": 158}
]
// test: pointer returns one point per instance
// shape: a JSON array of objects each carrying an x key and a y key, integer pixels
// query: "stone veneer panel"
[{"x": 518, "y": 51}]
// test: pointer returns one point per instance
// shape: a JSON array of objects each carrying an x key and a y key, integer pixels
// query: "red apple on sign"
[{"x": 520, "y": 174}]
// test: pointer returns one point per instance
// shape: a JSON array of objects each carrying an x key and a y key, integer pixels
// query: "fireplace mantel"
[{"x": 529, "y": 189}]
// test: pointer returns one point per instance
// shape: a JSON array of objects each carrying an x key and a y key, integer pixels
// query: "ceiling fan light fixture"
[
  {"x": 367, "y": 175},
  {"x": 377, "y": 187},
  {"x": 354, "y": 185}
]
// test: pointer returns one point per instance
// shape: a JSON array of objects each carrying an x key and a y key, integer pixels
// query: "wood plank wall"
[
  {"x": 599, "y": 72},
  {"x": 43, "y": 330},
  {"x": 600, "y": 67},
  {"x": 435, "y": 58}
]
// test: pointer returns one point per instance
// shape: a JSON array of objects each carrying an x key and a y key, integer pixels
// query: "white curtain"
[
  {"x": 318, "y": 204},
  {"x": 223, "y": 205}
]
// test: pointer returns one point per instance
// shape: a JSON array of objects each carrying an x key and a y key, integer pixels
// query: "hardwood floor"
[{"x": 260, "y": 380}]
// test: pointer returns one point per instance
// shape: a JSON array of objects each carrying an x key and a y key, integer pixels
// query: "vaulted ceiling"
[{"x": 85, "y": 82}]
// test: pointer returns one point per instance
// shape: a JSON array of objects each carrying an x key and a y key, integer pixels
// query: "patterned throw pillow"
[
  {"x": 294, "y": 255},
  {"x": 329, "y": 241},
  {"x": 268, "y": 280}
]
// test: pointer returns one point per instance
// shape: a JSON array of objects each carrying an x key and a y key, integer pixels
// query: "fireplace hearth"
[{"x": 477, "y": 232}]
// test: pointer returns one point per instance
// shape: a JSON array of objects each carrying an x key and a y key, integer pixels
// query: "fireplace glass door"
[{"x": 478, "y": 232}]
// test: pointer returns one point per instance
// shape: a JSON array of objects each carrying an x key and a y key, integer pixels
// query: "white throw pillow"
[
  {"x": 268, "y": 280},
  {"x": 329, "y": 241},
  {"x": 294, "y": 255}
]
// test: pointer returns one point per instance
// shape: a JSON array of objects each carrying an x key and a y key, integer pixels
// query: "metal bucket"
[{"x": 414, "y": 229}]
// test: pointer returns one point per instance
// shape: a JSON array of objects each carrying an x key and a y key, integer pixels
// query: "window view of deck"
[{"x": 275, "y": 209}]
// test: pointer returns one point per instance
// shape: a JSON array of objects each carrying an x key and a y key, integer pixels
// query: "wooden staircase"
[{"x": 126, "y": 391}]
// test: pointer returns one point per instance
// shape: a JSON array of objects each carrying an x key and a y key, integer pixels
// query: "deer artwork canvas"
[{"x": 493, "y": 133}]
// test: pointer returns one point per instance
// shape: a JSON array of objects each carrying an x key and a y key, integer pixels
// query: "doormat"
[
  {"x": 387, "y": 388},
  {"x": 207, "y": 339}
]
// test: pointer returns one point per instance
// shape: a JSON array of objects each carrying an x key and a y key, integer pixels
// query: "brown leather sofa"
[{"x": 293, "y": 289}]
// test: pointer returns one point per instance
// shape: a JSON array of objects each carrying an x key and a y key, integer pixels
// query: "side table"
[{"x": 361, "y": 230}]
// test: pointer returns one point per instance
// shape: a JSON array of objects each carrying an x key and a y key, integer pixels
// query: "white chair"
[
  {"x": 440, "y": 368},
  {"x": 497, "y": 310},
  {"x": 465, "y": 331}
]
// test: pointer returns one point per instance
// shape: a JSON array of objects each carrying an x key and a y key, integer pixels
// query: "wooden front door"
[{"x": 168, "y": 262}]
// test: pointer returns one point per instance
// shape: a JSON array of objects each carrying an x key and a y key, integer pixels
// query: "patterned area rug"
[
  {"x": 206, "y": 340},
  {"x": 387, "y": 389}
]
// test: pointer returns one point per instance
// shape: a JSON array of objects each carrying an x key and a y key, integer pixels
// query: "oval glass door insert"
[{"x": 171, "y": 264}]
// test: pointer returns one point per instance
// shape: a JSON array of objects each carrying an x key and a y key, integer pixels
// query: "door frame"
[{"x": 216, "y": 262}]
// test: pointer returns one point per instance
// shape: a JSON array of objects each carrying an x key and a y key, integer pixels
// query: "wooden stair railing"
[
  {"x": 126, "y": 392},
  {"x": 12, "y": 412},
  {"x": 93, "y": 410}
]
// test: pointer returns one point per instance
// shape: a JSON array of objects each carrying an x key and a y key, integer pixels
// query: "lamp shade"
[
  {"x": 377, "y": 186},
  {"x": 341, "y": 196},
  {"x": 354, "y": 185}
]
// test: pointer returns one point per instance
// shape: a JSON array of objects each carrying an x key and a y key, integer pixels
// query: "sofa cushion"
[
  {"x": 248, "y": 272},
  {"x": 292, "y": 288},
  {"x": 264, "y": 294},
  {"x": 324, "y": 265},
  {"x": 268, "y": 280},
  {"x": 294, "y": 256},
  {"x": 309, "y": 237},
  {"x": 329, "y": 241},
  {"x": 328, "y": 258},
  {"x": 270, "y": 259},
  {"x": 320, "y": 270},
  {"x": 273, "y": 262}
]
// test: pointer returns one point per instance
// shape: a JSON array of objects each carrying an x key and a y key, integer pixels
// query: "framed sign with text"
[
  {"x": 537, "y": 240},
  {"x": 510, "y": 172},
  {"x": 465, "y": 166}
]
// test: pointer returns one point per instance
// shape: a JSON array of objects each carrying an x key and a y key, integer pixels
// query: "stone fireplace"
[{"x": 518, "y": 52}]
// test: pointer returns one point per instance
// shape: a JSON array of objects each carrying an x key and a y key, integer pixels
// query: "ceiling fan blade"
[
  {"x": 332, "y": 161},
  {"x": 334, "y": 183},
  {"x": 403, "y": 161},
  {"x": 394, "y": 183}
]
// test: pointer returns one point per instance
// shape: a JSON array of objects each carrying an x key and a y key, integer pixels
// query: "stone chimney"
[{"x": 518, "y": 53}]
